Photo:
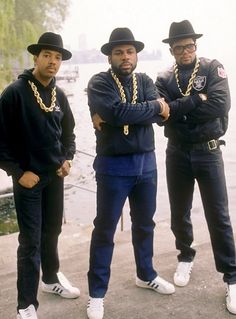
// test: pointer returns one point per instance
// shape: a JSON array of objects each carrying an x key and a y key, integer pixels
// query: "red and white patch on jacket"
[{"x": 221, "y": 72}]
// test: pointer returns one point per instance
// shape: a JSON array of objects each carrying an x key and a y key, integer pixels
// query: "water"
[
  {"x": 80, "y": 197},
  {"x": 86, "y": 206}
]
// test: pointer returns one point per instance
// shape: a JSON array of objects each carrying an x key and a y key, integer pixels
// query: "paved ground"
[{"x": 203, "y": 298}]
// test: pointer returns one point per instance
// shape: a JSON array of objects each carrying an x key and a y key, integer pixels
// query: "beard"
[{"x": 123, "y": 72}]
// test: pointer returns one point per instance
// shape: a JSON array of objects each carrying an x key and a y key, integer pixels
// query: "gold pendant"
[
  {"x": 123, "y": 97},
  {"x": 126, "y": 129}
]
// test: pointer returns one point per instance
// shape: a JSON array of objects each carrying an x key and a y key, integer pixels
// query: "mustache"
[
  {"x": 51, "y": 67},
  {"x": 126, "y": 63}
]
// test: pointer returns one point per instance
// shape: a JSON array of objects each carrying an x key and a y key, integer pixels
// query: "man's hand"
[
  {"x": 203, "y": 96},
  {"x": 97, "y": 121},
  {"x": 64, "y": 170},
  {"x": 29, "y": 179},
  {"x": 165, "y": 109}
]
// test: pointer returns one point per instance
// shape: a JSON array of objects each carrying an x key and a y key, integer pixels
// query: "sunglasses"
[{"x": 179, "y": 49}]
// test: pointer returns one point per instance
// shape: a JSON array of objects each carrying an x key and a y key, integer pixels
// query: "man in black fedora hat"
[
  {"x": 123, "y": 106},
  {"x": 197, "y": 92},
  {"x": 37, "y": 145}
]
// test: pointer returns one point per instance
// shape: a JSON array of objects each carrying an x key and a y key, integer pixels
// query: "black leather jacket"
[{"x": 202, "y": 120}]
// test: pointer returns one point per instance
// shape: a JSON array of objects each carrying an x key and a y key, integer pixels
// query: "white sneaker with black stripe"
[
  {"x": 62, "y": 288},
  {"x": 95, "y": 308},
  {"x": 27, "y": 313},
  {"x": 158, "y": 284}
]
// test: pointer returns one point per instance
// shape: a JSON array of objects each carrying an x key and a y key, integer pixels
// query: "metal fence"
[{"x": 10, "y": 194}]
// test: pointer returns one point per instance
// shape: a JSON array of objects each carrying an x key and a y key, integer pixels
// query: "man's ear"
[
  {"x": 35, "y": 59},
  {"x": 171, "y": 51},
  {"x": 109, "y": 59}
]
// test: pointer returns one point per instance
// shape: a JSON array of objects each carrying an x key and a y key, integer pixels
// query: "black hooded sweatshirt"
[{"x": 30, "y": 138}]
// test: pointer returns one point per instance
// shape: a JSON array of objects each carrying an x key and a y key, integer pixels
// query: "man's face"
[
  {"x": 47, "y": 63},
  {"x": 123, "y": 59},
  {"x": 184, "y": 51}
]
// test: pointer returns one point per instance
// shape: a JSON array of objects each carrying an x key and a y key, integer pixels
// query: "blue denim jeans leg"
[{"x": 112, "y": 192}]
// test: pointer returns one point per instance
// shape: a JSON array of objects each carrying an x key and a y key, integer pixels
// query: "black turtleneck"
[
  {"x": 185, "y": 72},
  {"x": 127, "y": 83}
]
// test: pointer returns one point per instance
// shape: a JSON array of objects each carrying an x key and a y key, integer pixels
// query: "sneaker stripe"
[
  {"x": 58, "y": 288},
  {"x": 153, "y": 285}
]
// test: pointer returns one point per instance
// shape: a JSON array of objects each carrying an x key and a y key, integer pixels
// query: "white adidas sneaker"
[
  {"x": 182, "y": 273},
  {"x": 63, "y": 288}
]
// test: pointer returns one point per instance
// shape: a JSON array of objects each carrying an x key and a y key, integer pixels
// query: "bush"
[{"x": 8, "y": 221}]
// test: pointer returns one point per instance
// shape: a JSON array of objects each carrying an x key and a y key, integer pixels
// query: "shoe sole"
[
  {"x": 60, "y": 294},
  {"x": 156, "y": 290}
]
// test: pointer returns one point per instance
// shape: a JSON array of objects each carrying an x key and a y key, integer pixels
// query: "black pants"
[
  {"x": 207, "y": 168},
  {"x": 39, "y": 213}
]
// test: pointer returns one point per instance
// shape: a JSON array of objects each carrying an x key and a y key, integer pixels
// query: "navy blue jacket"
[
  {"x": 191, "y": 120},
  {"x": 104, "y": 98},
  {"x": 30, "y": 138}
]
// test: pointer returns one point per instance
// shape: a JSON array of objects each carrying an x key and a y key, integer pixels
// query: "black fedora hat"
[
  {"x": 121, "y": 36},
  {"x": 51, "y": 41},
  {"x": 181, "y": 30}
]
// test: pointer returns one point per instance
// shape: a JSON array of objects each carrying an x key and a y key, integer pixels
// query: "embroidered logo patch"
[
  {"x": 57, "y": 108},
  {"x": 199, "y": 82},
  {"x": 221, "y": 72}
]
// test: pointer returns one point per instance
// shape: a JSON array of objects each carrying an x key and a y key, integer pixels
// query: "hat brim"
[
  {"x": 182, "y": 36},
  {"x": 107, "y": 48},
  {"x": 36, "y": 48}
]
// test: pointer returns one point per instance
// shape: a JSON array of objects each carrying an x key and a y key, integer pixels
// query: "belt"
[{"x": 210, "y": 145}]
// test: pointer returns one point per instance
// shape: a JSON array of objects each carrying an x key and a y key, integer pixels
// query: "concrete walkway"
[{"x": 203, "y": 298}]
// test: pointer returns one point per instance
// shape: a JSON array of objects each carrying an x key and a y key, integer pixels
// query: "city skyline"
[{"x": 90, "y": 22}]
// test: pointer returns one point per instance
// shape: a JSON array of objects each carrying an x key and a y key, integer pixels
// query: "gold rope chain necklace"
[
  {"x": 123, "y": 96},
  {"x": 40, "y": 101},
  {"x": 190, "y": 83}
]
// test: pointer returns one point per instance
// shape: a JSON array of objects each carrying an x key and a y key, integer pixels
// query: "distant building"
[{"x": 95, "y": 56}]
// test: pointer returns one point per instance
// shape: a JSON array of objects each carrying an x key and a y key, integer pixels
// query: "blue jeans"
[
  {"x": 112, "y": 192},
  {"x": 39, "y": 214},
  {"x": 183, "y": 167}
]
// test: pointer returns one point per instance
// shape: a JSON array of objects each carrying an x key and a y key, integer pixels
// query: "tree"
[
  {"x": 7, "y": 38},
  {"x": 21, "y": 23}
]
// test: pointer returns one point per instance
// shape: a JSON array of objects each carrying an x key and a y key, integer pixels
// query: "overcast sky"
[{"x": 149, "y": 20}]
